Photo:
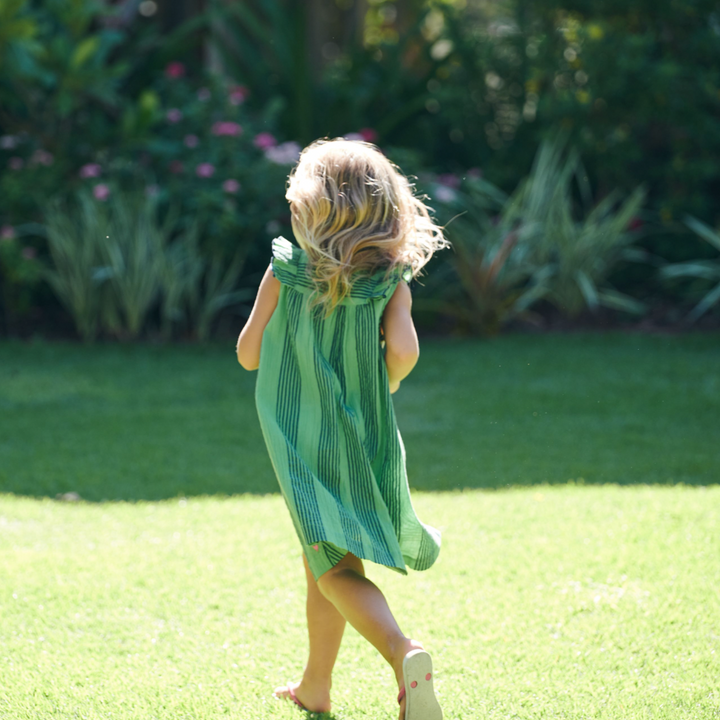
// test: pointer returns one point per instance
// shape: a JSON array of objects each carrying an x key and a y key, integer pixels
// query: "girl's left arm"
[{"x": 250, "y": 340}]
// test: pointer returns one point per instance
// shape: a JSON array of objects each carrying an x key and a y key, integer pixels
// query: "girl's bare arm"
[
  {"x": 248, "y": 345},
  {"x": 401, "y": 343}
]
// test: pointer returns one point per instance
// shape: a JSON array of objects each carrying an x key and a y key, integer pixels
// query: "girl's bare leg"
[
  {"x": 325, "y": 630},
  {"x": 363, "y": 605}
]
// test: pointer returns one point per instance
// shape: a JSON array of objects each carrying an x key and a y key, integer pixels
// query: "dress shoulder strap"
[{"x": 290, "y": 267}]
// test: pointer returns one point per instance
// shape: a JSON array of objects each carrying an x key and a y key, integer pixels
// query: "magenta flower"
[
  {"x": 101, "y": 192},
  {"x": 205, "y": 170},
  {"x": 231, "y": 186},
  {"x": 264, "y": 140},
  {"x": 203, "y": 94},
  {"x": 474, "y": 173},
  {"x": 238, "y": 94},
  {"x": 7, "y": 232},
  {"x": 176, "y": 167},
  {"x": 16, "y": 163},
  {"x": 635, "y": 223},
  {"x": 174, "y": 70},
  {"x": 90, "y": 170},
  {"x": 231, "y": 129},
  {"x": 368, "y": 135},
  {"x": 174, "y": 115},
  {"x": 29, "y": 253},
  {"x": 191, "y": 141}
]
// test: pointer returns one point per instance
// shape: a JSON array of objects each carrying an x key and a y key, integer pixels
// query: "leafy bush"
[
  {"x": 511, "y": 252},
  {"x": 706, "y": 271},
  {"x": 116, "y": 266}
]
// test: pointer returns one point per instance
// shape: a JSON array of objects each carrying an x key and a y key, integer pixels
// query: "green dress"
[{"x": 327, "y": 416}]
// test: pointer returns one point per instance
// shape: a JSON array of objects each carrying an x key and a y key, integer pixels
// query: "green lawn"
[
  {"x": 593, "y": 599},
  {"x": 131, "y": 423},
  {"x": 547, "y": 602}
]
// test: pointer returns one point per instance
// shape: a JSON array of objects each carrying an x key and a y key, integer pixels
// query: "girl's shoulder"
[{"x": 291, "y": 267}]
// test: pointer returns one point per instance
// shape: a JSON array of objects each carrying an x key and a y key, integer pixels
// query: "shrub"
[{"x": 512, "y": 251}]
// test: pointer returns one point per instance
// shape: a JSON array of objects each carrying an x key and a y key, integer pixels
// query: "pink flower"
[
  {"x": 174, "y": 115},
  {"x": 191, "y": 141},
  {"x": 16, "y": 163},
  {"x": 176, "y": 167},
  {"x": 90, "y": 170},
  {"x": 264, "y": 140},
  {"x": 238, "y": 94},
  {"x": 444, "y": 194},
  {"x": 152, "y": 190},
  {"x": 42, "y": 157},
  {"x": 203, "y": 94},
  {"x": 449, "y": 180},
  {"x": 226, "y": 128},
  {"x": 286, "y": 153},
  {"x": 205, "y": 170},
  {"x": 174, "y": 70},
  {"x": 101, "y": 192},
  {"x": 29, "y": 253},
  {"x": 635, "y": 223},
  {"x": 8, "y": 142},
  {"x": 474, "y": 173},
  {"x": 7, "y": 232},
  {"x": 368, "y": 135},
  {"x": 231, "y": 186}
]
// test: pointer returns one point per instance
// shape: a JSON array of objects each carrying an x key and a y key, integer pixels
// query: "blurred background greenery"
[{"x": 569, "y": 146}]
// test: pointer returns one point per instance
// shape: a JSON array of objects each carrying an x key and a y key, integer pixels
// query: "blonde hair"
[{"x": 353, "y": 211}]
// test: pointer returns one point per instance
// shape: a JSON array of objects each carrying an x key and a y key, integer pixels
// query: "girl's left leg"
[{"x": 325, "y": 630}]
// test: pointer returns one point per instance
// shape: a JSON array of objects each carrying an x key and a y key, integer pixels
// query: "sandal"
[
  {"x": 291, "y": 694},
  {"x": 420, "y": 702}
]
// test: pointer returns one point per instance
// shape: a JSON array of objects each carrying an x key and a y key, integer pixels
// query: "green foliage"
[
  {"x": 269, "y": 45},
  {"x": 114, "y": 262},
  {"x": 704, "y": 270},
  {"x": 75, "y": 241},
  {"x": 511, "y": 252},
  {"x": 578, "y": 256},
  {"x": 95, "y": 95},
  {"x": 527, "y": 68},
  {"x": 20, "y": 273},
  {"x": 61, "y": 77},
  {"x": 490, "y": 277}
]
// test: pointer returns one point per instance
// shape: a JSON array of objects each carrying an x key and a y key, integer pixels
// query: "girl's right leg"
[
  {"x": 325, "y": 630},
  {"x": 364, "y": 606}
]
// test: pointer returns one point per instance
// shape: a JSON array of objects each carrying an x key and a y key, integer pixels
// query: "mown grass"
[
  {"x": 547, "y": 602},
  {"x": 146, "y": 423},
  {"x": 554, "y": 600}
]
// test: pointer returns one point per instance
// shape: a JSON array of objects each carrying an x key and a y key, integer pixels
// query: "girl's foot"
[
  {"x": 307, "y": 697},
  {"x": 408, "y": 646}
]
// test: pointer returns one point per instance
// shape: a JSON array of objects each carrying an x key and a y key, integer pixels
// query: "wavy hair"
[{"x": 354, "y": 212}]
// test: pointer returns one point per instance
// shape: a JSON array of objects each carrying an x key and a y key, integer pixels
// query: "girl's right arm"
[
  {"x": 401, "y": 343},
  {"x": 250, "y": 340}
]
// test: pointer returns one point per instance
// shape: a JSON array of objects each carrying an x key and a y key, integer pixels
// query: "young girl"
[{"x": 323, "y": 313}]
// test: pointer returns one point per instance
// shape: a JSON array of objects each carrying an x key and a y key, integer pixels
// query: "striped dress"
[{"x": 327, "y": 417}]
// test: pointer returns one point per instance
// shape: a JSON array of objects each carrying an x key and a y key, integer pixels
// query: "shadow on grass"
[{"x": 142, "y": 423}]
